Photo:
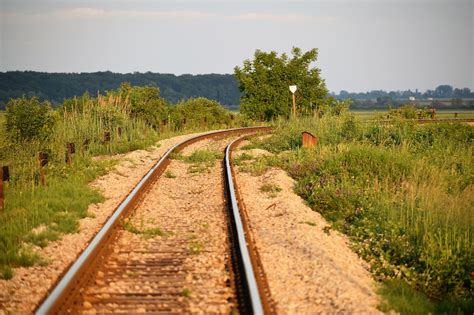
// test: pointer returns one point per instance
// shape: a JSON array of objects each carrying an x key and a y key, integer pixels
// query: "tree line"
[
  {"x": 56, "y": 87},
  {"x": 223, "y": 88}
]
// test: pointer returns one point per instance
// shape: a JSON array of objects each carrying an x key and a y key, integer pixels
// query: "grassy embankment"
[
  {"x": 35, "y": 215},
  {"x": 402, "y": 192}
]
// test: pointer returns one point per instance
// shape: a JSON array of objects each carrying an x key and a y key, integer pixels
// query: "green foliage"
[
  {"x": 204, "y": 156},
  {"x": 145, "y": 103},
  {"x": 271, "y": 189},
  {"x": 28, "y": 119},
  {"x": 402, "y": 298},
  {"x": 56, "y": 208},
  {"x": 402, "y": 192},
  {"x": 202, "y": 160},
  {"x": 200, "y": 112},
  {"x": 265, "y": 81},
  {"x": 56, "y": 87},
  {"x": 409, "y": 112},
  {"x": 147, "y": 233}
]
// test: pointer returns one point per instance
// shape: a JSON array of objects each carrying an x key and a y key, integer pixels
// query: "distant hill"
[{"x": 56, "y": 87}]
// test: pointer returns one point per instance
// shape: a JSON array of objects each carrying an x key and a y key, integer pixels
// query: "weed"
[
  {"x": 202, "y": 160},
  {"x": 204, "y": 156},
  {"x": 169, "y": 174},
  {"x": 146, "y": 233},
  {"x": 195, "y": 247},
  {"x": 271, "y": 189},
  {"x": 242, "y": 159},
  {"x": 6, "y": 272},
  {"x": 132, "y": 274},
  {"x": 327, "y": 229},
  {"x": 186, "y": 292}
]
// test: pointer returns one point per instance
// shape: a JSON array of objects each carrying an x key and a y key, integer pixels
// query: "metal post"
[{"x": 294, "y": 104}]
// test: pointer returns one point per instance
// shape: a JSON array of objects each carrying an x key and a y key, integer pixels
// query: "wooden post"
[
  {"x": 455, "y": 115},
  {"x": 294, "y": 104},
  {"x": 70, "y": 149},
  {"x": 43, "y": 160},
  {"x": 106, "y": 136},
  {"x": 85, "y": 144},
  {"x": 309, "y": 140},
  {"x": 2, "y": 203}
]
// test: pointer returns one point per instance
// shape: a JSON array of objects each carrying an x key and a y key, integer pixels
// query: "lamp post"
[{"x": 293, "y": 90}]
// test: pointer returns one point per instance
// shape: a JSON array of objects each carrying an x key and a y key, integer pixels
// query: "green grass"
[
  {"x": 169, "y": 174},
  {"x": 195, "y": 247},
  {"x": 440, "y": 114},
  {"x": 401, "y": 192},
  {"x": 201, "y": 160},
  {"x": 56, "y": 207},
  {"x": 186, "y": 292},
  {"x": 271, "y": 189},
  {"x": 147, "y": 233}
]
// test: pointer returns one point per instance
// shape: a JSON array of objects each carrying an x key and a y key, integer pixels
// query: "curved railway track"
[{"x": 151, "y": 278}]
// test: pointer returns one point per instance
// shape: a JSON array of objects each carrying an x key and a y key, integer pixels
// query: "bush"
[
  {"x": 28, "y": 119},
  {"x": 145, "y": 103},
  {"x": 409, "y": 112},
  {"x": 198, "y": 112}
]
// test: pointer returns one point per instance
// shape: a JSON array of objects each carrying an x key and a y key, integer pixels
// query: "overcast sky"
[{"x": 363, "y": 45}]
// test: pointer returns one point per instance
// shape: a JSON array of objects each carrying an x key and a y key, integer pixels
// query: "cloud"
[
  {"x": 100, "y": 13},
  {"x": 281, "y": 17},
  {"x": 90, "y": 12}
]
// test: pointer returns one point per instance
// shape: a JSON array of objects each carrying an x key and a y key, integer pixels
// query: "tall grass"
[
  {"x": 402, "y": 192},
  {"x": 35, "y": 215}
]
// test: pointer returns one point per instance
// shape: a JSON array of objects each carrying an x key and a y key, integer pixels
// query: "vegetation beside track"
[
  {"x": 402, "y": 192},
  {"x": 133, "y": 117}
]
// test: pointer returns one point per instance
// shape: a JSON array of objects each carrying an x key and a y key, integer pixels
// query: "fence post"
[
  {"x": 70, "y": 149},
  {"x": 106, "y": 136},
  {"x": 1, "y": 190},
  {"x": 43, "y": 160}
]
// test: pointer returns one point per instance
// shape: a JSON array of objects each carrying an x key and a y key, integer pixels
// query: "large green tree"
[{"x": 264, "y": 82}]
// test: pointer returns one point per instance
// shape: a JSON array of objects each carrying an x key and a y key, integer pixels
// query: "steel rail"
[
  {"x": 55, "y": 300},
  {"x": 256, "y": 282}
]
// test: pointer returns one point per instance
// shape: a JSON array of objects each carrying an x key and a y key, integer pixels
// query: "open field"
[{"x": 441, "y": 114}]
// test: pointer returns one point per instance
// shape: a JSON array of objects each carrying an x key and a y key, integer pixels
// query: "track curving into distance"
[{"x": 62, "y": 298}]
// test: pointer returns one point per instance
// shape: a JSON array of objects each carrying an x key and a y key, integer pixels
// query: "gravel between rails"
[
  {"x": 190, "y": 211},
  {"x": 310, "y": 268},
  {"x": 29, "y": 286}
]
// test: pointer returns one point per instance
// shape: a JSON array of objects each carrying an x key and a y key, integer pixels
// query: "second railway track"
[{"x": 158, "y": 261}]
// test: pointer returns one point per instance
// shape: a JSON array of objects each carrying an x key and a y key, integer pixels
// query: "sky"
[{"x": 363, "y": 45}]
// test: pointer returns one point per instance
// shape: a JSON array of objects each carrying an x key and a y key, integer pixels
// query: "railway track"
[{"x": 122, "y": 272}]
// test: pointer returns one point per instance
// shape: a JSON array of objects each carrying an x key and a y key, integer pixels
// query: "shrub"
[
  {"x": 409, "y": 112},
  {"x": 145, "y": 103},
  {"x": 200, "y": 111},
  {"x": 28, "y": 119}
]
